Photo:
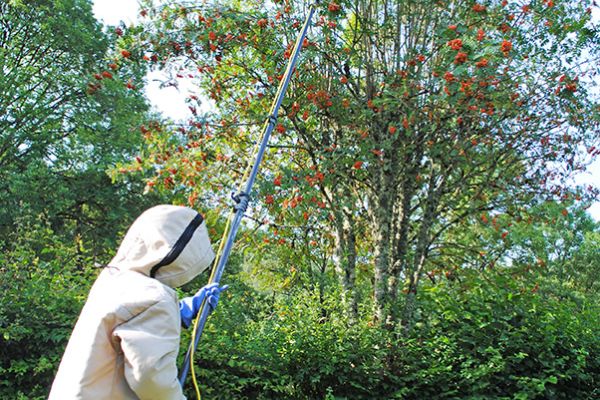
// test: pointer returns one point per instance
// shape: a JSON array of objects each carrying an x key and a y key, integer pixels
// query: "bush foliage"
[
  {"x": 43, "y": 290},
  {"x": 491, "y": 336}
]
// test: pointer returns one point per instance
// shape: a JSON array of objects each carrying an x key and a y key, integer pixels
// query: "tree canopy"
[
  {"x": 405, "y": 121},
  {"x": 59, "y": 134}
]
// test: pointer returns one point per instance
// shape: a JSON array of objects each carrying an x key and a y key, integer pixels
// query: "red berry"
[
  {"x": 480, "y": 35},
  {"x": 455, "y": 44},
  {"x": 333, "y": 7},
  {"x": 506, "y": 46},
  {"x": 478, "y": 8},
  {"x": 482, "y": 63}
]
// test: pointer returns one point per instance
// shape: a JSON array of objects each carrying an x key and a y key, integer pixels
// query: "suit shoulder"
[{"x": 130, "y": 293}]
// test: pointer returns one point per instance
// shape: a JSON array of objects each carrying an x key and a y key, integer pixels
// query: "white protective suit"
[{"x": 125, "y": 343}]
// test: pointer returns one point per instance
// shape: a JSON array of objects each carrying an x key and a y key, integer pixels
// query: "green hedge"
[
  {"x": 489, "y": 336},
  {"x": 42, "y": 294},
  {"x": 485, "y": 338}
]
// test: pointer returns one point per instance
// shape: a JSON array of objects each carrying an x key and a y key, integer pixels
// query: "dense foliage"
[
  {"x": 496, "y": 337},
  {"x": 44, "y": 284},
  {"x": 59, "y": 133},
  {"x": 414, "y": 233}
]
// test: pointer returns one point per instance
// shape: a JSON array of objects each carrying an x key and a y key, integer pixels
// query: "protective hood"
[{"x": 169, "y": 243}]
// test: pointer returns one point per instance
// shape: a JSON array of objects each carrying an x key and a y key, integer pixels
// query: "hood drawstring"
[{"x": 179, "y": 245}]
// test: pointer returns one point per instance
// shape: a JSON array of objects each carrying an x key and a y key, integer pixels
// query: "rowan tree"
[{"x": 403, "y": 120}]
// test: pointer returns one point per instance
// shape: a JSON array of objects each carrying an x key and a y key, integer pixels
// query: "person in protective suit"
[{"x": 126, "y": 340}]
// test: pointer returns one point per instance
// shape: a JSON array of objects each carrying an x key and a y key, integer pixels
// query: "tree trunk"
[
  {"x": 436, "y": 184},
  {"x": 345, "y": 261},
  {"x": 382, "y": 235},
  {"x": 400, "y": 246}
]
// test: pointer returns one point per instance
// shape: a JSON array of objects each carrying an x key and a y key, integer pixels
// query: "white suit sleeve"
[{"x": 150, "y": 343}]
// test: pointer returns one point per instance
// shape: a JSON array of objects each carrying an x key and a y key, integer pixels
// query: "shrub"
[
  {"x": 42, "y": 294},
  {"x": 489, "y": 336}
]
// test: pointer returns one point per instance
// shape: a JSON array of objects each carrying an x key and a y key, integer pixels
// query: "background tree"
[
  {"x": 59, "y": 133},
  {"x": 562, "y": 243}
]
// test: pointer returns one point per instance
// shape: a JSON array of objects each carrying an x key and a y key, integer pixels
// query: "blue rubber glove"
[{"x": 189, "y": 306}]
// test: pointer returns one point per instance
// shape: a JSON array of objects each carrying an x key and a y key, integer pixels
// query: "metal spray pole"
[{"x": 243, "y": 198}]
